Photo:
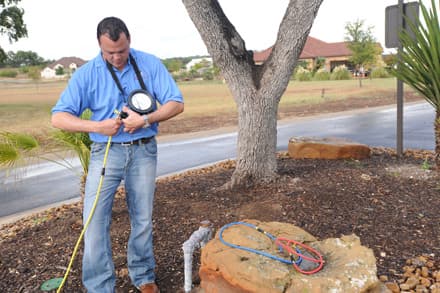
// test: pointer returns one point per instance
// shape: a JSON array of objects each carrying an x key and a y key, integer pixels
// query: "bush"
[
  {"x": 303, "y": 74},
  {"x": 24, "y": 69},
  {"x": 380, "y": 72},
  {"x": 321, "y": 74},
  {"x": 340, "y": 73},
  {"x": 8, "y": 73}
]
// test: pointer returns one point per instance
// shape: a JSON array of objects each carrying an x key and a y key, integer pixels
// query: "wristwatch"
[{"x": 147, "y": 124}]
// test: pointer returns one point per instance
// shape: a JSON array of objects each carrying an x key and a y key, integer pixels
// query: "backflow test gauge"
[{"x": 139, "y": 101}]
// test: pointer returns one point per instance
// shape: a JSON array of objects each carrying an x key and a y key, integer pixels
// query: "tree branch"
[
  {"x": 292, "y": 35},
  {"x": 220, "y": 36}
]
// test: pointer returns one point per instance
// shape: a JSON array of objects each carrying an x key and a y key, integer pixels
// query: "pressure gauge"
[{"x": 141, "y": 102}]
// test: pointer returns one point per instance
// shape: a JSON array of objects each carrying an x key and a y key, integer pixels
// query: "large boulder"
[
  {"x": 349, "y": 266},
  {"x": 326, "y": 148}
]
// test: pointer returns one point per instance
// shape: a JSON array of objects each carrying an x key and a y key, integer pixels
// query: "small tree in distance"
[
  {"x": 362, "y": 45},
  {"x": 35, "y": 74}
]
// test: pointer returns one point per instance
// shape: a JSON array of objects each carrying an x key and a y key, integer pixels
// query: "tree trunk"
[
  {"x": 82, "y": 186},
  {"x": 437, "y": 139},
  {"x": 257, "y": 139},
  {"x": 257, "y": 89}
]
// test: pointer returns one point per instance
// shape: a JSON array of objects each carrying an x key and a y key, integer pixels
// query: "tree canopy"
[
  {"x": 11, "y": 23},
  {"x": 23, "y": 58},
  {"x": 362, "y": 43}
]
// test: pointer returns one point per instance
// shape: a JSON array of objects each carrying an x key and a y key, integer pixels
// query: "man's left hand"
[{"x": 133, "y": 122}]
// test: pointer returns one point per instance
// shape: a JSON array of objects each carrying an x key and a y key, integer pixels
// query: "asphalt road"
[{"x": 48, "y": 184}]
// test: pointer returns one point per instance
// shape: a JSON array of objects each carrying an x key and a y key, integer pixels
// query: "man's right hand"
[{"x": 110, "y": 127}]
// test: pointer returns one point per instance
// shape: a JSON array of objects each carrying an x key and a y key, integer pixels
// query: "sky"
[{"x": 61, "y": 28}]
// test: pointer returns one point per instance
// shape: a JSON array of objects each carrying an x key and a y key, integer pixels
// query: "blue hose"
[{"x": 273, "y": 238}]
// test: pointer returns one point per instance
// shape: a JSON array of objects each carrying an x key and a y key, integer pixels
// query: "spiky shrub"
[
  {"x": 303, "y": 74},
  {"x": 321, "y": 74},
  {"x": 420, "y": 62},
  {"x": 379, "y": 72},
  {"x": 340, "y": 73}
]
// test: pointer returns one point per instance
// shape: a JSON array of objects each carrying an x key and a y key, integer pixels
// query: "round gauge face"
[{"x": 141, "y": 101}]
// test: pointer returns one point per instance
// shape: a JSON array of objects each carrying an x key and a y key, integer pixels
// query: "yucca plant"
[{"x": 420, "y": 63}]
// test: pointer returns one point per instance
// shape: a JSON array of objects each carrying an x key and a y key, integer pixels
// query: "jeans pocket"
[
  {"x": 97, "y": 148},
  {"x": 151, "y": 147}
]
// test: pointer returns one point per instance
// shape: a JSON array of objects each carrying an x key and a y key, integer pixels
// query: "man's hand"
[
  {"x": 133, "y": 122},
  {"x": 110, "y": 126}
]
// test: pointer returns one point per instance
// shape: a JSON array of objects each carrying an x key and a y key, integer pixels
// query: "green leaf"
[
  {"x": 8, "y": 154},
  {"x": 21, "y": 141},
  {"x": 420, "y": 57},
  {"x": 78, "y": 142}
]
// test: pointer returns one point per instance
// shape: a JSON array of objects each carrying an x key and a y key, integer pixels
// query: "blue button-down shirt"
[{"x": 92, "y": 87}]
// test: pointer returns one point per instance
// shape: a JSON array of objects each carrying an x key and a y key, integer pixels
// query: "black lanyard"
[{"x": 136, "y": 70}]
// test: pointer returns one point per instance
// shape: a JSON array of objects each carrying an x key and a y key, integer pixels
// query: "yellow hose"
[{"x": 98, "y": 191}]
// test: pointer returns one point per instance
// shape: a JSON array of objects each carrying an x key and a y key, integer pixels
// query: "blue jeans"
[{"x": 136, "y": 166}]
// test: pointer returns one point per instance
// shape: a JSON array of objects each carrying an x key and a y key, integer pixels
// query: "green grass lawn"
[{"x": 25, "y": 105}]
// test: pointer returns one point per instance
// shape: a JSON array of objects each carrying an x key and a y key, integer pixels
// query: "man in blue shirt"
[{"x": 103, "y": 85}]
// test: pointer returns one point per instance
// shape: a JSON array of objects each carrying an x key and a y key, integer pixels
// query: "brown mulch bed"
[{"x": 392, "y": 203}]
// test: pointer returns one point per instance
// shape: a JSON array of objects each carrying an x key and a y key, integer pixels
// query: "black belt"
[{"x": 139, "y": 141}]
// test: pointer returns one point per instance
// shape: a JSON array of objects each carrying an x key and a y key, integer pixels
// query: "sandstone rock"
[
  {"x": 326, "y": 148},
  {"x": 349, "y": 267},
  {"x": 412, "y": 282},
  {"x": 393, "y": 287},
  {"x": 418, "y": 276}
]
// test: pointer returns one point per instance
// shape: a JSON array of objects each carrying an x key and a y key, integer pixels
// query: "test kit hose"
[{"x": 89, "y": 218}]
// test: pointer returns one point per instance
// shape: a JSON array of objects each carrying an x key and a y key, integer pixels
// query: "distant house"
[
  {"x": 335, "y": 54},
  {"x": 69, "y": 65},
  {"x": 205, "y": 61}
]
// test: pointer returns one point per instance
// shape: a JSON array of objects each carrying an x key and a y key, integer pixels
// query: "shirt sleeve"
[
  {"x": 71, "y": 99},
  {"x": 164, "y": 87}
]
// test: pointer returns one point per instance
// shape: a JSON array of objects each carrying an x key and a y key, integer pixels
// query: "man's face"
[{"x": 116, "y": 53}]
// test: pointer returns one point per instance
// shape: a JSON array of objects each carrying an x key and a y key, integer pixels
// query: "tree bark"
[
  {"x": 257, "y": 89},
  {"x": 257, "y": 139},
  {"x": 437, "y": 139}
]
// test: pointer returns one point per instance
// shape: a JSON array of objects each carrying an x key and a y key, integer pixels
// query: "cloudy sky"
[{"x": 60, "y": 28}]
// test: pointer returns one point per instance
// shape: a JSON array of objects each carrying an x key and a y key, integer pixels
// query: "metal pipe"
[{"x": 198, "y": 239}]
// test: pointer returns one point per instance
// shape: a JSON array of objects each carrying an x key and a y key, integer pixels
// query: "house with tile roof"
[
  {"x": 335, "y": 54},
  {"x": 69, "y": 65}
]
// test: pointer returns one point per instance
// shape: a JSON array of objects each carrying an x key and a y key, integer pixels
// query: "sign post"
[
  {"x": 394, "y": 25},
  {"x": 399, "y": 143}
]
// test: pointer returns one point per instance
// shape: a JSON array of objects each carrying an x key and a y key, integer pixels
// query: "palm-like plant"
[
  {"x": 14, "y": 147},
  {"x": 420, "y": 63},
  {"x": 80, "y": 144}
]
